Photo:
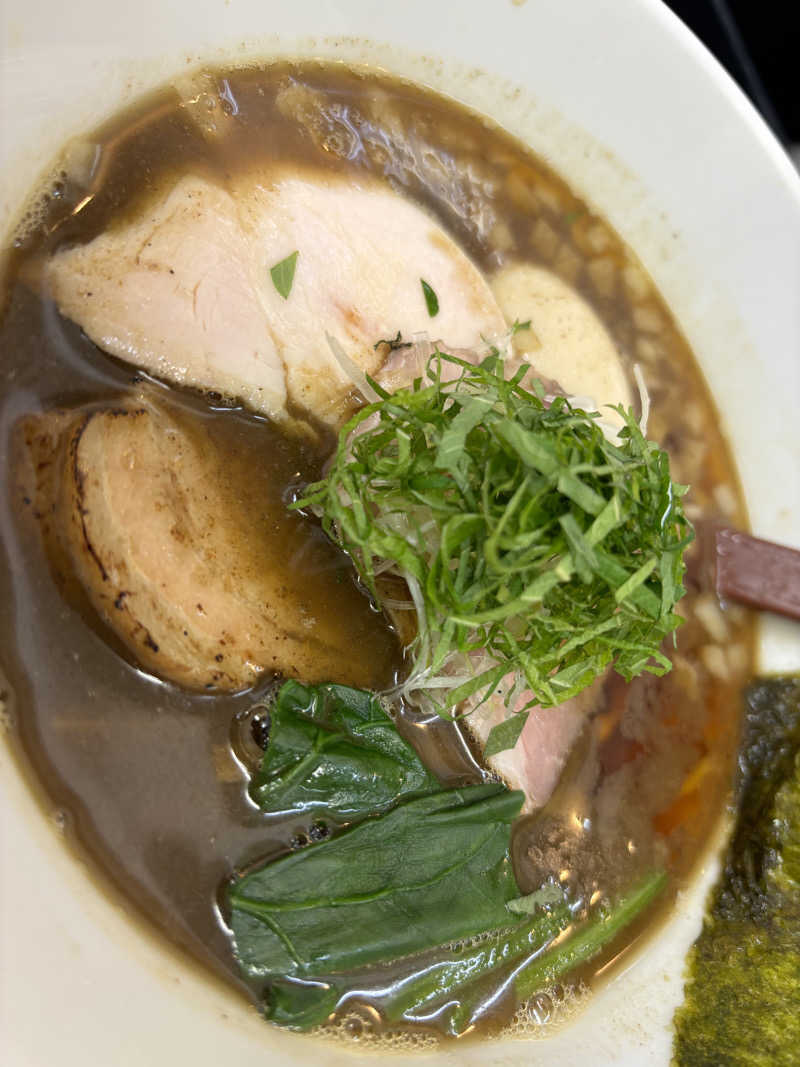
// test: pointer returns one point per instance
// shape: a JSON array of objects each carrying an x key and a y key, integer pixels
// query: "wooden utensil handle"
[{"x": 758, "y": 573}]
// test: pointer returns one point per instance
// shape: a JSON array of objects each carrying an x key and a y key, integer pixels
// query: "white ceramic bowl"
[{"x": 631, "y": 109}]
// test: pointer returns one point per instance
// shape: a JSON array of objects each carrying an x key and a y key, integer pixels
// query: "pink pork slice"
[{"x": 535, "y": 763}]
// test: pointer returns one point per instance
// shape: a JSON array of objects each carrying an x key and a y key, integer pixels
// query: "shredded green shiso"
[{"x": 531, "y": 543}]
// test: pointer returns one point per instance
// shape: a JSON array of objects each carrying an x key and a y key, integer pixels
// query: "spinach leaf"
[
  {"x": 429, "y": 984},
  {"x": 425, "y": 869},
  {"x": 333, "y": 749},
  {"x": 431, "y": 871},
  {"x": 523, "y": 960},
  {"x": 537, "y": 970},
  {"x": 591, "y": 937}
]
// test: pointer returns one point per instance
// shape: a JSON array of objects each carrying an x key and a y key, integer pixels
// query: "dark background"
[{"x": 758, "y": 41}]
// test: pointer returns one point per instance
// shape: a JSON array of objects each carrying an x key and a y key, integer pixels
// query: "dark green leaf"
[
  {"x": 392, "y": 342},
  {"x": 282, "y": 274},
  {"x": 571, "y": 216},
  {"x": 431, "y": 299},
  {"x": 590, "y": 938},
  {"x": 411, "y": 884},
  {"x": 334, "y": 750},
  {"x": 302, "y": 1004},
  {"x": 453, "y": 984},
  {"x": 453, "y": 974},
  {"x": 431, "y": 871},
  {"x": 542, "y": 969},
  {"x": 429, "y": 982}
]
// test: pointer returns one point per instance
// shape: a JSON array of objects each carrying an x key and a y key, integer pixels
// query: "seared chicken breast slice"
[
  {"x": 567, "y": 341},
  {"x": 184, "y": 290},
  {"x": 174, "y": 292}
]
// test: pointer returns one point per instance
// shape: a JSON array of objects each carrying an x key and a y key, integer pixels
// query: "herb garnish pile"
[{"x": 530, "y": 543}]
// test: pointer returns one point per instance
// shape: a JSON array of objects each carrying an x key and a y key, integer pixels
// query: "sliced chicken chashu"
[
  {"x": 185, "y": 291},
  {"x": 175, "y": 293},
  {"x": 363, "y": 253},
  {"x": 165, "y": 545},
  {"x": 567, "y": 341}
]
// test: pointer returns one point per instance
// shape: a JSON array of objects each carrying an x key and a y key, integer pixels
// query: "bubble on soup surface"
[
  {"x": 360, "y": 1027},
  {"x": 547, "y": 1011}
]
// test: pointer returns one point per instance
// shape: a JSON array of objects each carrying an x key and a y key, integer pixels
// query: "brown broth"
[{"x": 151, "y": 777}]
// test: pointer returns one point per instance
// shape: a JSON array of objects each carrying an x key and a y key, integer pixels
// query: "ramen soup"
[{"x": 208, "y": 287}]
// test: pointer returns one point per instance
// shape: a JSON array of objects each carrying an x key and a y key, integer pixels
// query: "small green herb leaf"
[
  {"x": 282, "y": 274},
  {"x": 574, "y": 215},
  {"x": 451, "y": 444},
  {"x": 431, "y": 299},
  {"x": 505, "y": 734},
  {"x": 545, "y": 897}
]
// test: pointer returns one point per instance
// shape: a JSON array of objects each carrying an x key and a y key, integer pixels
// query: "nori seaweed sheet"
[{"x": 742, "y": 1004}]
